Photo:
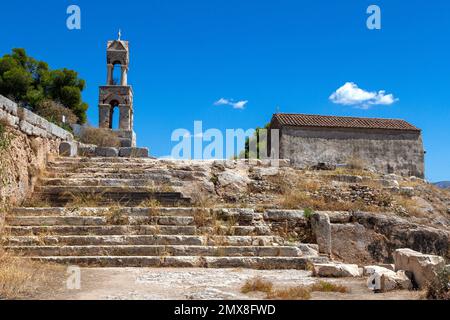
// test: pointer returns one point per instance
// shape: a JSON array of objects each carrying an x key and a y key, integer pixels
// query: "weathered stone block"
[
  {"x": 26, "y": 127},
  {"x": 107, "y": 152},
  {"x": 133, "y": 152},
  {"x": 347, "y": 178},
  {"x": 38, "y": 132},
  {"x": 128, "y": 138},
  {"x": 242, "y": 215},
  {"x": 321, "y": 227},
  {"x": 384, "y": 280},
  {"x": 8, "y": 105},
  {"x": 125, "y": 143},
  {"x": 407, "y": 191},
  {"x": 309, "y": 249},
  {"x": 338, "y": 216},
  {"x": 68, "y": 149},
  {"x": 60, "y": 132},
  {"x": 30, "y": 117},
  {"x": 424, "y": 267},
  {"x": 337, "y": 270},
  {"x": 283, "y": 215},
  {"x": 10, "y": 119},
  {"x": 87, "y": 150},
  {"x": 369, "y": 270}
]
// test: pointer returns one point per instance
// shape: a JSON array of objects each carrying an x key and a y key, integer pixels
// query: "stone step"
[
  {"x": 94, "y": 220},
  {"x": 107, "y": 166},
  {"x": 191, "y": 240},
  {"x": 128, "y": 162},
  {"x": 128, "y": 174},
  {"x": 299, "y": 263},
  {"x": 155, "y": 250},
  {"x": 100, "y": 230},
  {"x": 71, "y": 160},
  {"x": 92, "y": 182},
  {"x": 106, "y": 196},
  {"x": 102, "y": 211},
  {"x": 75, "y": 190}
]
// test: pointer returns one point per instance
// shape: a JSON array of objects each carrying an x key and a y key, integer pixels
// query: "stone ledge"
[
  {"x": 131, "y": 152},
  {"x": 84, "y": 150},
  {"x": 30, "y": 123}
]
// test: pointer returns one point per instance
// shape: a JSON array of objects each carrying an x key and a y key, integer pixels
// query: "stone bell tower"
[{"x": 117, "y": 95}]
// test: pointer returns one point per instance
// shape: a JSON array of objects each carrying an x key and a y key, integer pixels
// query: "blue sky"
[{"x": 277, "y": 55}]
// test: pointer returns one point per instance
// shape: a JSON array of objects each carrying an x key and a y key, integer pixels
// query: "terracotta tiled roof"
[{"x": 306, "y": 120}]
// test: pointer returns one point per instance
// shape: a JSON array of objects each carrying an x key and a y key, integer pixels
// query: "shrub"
[
  {"x": 308, "y": 212},
  {"x": 323, "y": 286},
  {"x": 100, "y": 137},
  {"x": 21, "y": 277},
  {"x": 54, "y": 112},
  {"x": 356, "y": 163},
  {"x": 295, "y": 293},
  {"x": 439, "y": 289},
  {"x": 257, "y": 285}
]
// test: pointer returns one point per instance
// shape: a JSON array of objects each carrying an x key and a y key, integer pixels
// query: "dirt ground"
[{"x": 201, "y": 284}]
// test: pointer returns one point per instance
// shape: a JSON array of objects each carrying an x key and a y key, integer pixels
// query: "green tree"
[{"x": 30, "y": 82}]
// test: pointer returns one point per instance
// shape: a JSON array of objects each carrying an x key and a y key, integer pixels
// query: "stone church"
[{"x": 386, "y": 145}]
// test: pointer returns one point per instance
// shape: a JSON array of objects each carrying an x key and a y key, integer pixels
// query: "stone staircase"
[{"x": 118, "y": 229}]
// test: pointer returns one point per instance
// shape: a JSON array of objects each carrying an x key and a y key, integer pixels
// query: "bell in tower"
[{"x": 117, "y": 95}]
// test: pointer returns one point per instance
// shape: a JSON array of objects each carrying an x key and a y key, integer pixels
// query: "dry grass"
[
  {"x": 201, "y": 200},
  {"x": 351, "y": 172},
  {"x": 54, "y": 112},
  {"x": 356, "y": 163},
  {"x": 257, "y": 284},
  {"x": 22, "y": 278},
  {"x": 324, "y": 286},
  {"x": 410, "y": 205},
  {"x": 115, "y": 216},
  {"x": 299, "y": 199},
  {"x": 152, "y": 205},
  {"x": 79, "y": 200},
  {"x": 100, "y": 137},
  {"x": 203, "y": 217},
  {"x": 165, "y": 188},
  {"x": 414, "y": 184},
  {"x": 295, "y": 199},
  {"x": 294, "y": 293},
  {"x": 36, "y": 202},
  {"x": 439, "y": 289}
]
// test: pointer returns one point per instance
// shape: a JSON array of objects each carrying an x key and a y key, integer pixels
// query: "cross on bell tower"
[{"x": 117, "y": 95}]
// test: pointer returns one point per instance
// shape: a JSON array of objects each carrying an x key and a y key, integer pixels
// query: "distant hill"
[{"x": 443, "y": 184}]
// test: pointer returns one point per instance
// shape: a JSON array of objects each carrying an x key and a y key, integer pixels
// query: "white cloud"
[
  {"x": 351, "y": 95},
  {"x": 230, "y": 102}
]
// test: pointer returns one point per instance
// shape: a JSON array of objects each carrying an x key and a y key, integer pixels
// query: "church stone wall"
[{"x": 389, "y": 151}]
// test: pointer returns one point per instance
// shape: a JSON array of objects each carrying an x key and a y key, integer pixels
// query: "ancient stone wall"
[
  {"x": 364, "y": 237},
  {"x": 387, "y": 151},
  {"x": 29, "y": 140}
]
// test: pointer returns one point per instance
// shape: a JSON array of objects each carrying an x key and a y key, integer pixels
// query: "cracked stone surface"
[{"x": 201, "y": 284}]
